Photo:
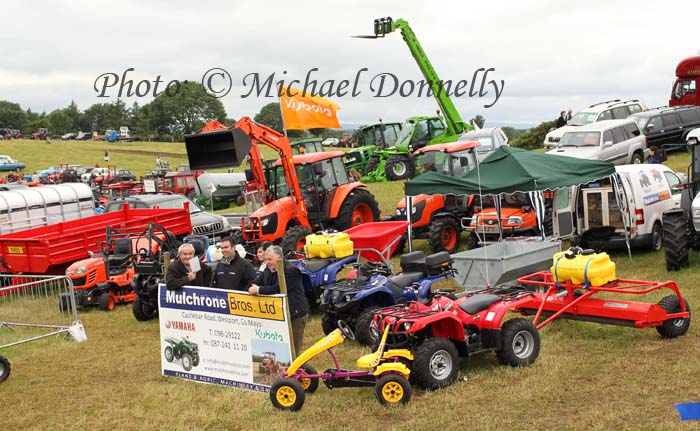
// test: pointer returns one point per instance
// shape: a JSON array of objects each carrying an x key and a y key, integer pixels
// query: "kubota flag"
[{"x": 307, "y": 112}]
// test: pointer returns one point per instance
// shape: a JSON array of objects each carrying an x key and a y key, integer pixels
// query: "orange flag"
[{"x": 308, "y": 112}]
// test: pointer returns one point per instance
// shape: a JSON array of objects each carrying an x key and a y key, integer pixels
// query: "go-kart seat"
[
  {"x": 119, "y": 258},
  {"x": 403, "y": 280},
  {"x": 478, "y": 302}
]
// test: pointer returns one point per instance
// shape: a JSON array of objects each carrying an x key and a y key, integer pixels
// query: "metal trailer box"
[{"x": 502, "y": 262}]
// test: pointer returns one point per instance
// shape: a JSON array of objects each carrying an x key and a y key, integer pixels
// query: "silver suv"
[
  {"x": 610, "y": 110},
  {"x": 616, "y": 141}
]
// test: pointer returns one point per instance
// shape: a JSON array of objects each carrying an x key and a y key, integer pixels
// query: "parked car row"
[{"x": 81, "y": 136}]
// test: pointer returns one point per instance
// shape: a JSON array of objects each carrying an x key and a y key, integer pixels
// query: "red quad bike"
[{"x": 446, "y": 328}]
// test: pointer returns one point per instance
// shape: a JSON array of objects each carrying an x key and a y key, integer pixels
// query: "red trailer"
[{"x": 50, "y": 249}]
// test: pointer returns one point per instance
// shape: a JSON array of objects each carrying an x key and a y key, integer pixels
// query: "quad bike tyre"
[
  {"x": 675, "y": 234},
  {"x": 195, "y": 360},
  {"x": 436, "y": 363},
  {"x": 392, "y": 389},
  {"x": 359, "y": 207},
  {"x": 673, "y": 328},
  {"x": 295, "y": 238},
  {"x": 142, "y": 311},
  {"x": 328, "y": 323},
  {"x": 399, "y": 168},
  {"x": 187, "y": 361},
  {"x": 287, "y": 394},
  {"x": 168, "y": 352},
  {"x": 362, "y": 323},
  {"x": 521, "y": 343},
  {"x": 5, "y": 369},
  {"x": 444, "y": 235}
]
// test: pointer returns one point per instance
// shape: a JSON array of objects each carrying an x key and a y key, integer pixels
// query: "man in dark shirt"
[{"x": 232, "y": 272}]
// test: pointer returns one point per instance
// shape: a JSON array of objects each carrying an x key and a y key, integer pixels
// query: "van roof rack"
[{"x": 603, "y": 103}]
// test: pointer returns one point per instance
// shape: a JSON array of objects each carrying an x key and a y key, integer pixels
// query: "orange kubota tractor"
[
  {"x": 303, "y": 193},
  {"x": 437, "y": 217}
]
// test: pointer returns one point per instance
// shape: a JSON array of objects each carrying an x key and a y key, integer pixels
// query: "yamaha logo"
[{"x": 178, "y": 325}]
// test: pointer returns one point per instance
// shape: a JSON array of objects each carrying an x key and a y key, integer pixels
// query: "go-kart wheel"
[
  {"x": 436, "y": 363},
  {"x": 106, "y": 302},
  {"x": 345, "y": 330},
  {"x": 309, "y": 384},
  {"x": 187, "y": 361},
  {"x": 169, "y": 354},
  {"x": 142, "y": 311},
  {"x": 328, "y": 323},
  {"x": 287, "y": 394},
  {"x": 195, "y": 360},
  {"x": 5, "y": 369},
  {"x": 673, "y": 328},
  {"x": 521, "y": 343},
  {"x": 392, "y": 389},
  {"x": 362, "y": 332}
]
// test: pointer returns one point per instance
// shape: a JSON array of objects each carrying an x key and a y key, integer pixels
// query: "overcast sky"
[{"x": 550, "y": 54}]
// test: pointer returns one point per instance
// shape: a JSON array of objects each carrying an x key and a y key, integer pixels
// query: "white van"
[
  {"x": 26, "y": 208},
  {"x": 591, "y": 212}
]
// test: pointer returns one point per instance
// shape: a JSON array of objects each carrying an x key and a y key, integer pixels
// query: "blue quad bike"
[
  {"x": 317, "y": 273},
  {"x": 355, "y": 300}
]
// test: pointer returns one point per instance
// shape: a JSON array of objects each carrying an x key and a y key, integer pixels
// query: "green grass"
[{"x": 587, "y": 377}]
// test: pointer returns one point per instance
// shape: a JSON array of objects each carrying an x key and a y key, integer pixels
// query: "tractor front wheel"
[
  {"x": 673, "y": 328},
  {"x": 371, "y": 165},
  {"x": 436, "y": 363},
  {"x": 399, "y": 168},
  {"x": 444, "y": 235},
  {"x": 521, "y": 343},
  {"x": 675, "y": 234},
  {"x": 295, "y": 238},
  {"x": 359, "y": 207}
]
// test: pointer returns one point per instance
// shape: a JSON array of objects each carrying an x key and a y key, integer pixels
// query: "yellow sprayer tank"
[
  {"x": 596, "y": 268},
  {"x": 326, "y": 245}
]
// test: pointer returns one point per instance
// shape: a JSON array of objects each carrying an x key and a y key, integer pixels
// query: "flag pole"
[{"x": 279, "y": 98}]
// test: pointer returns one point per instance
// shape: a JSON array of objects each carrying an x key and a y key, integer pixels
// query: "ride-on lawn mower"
[{"x": 385, "y": 370}]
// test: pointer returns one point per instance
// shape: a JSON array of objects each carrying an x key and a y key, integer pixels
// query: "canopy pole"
[{"x": 409, "y": 232}]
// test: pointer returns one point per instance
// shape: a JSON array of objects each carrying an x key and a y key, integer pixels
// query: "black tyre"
[
  {"x": 392, "y": 389},
  {"x": 295, "y": 238},
  {"x": 472, "y": 241},
  {"x": 237, "y": 236},
  {"x": 673, "y": 328},
  {"x": 371, "y": 165},
  {"x": 637, "y": 158},
  {"x": 359, "y": 207},
  {"x": 657, "y": 237},
  {"x": 5, "y": 369},
  {"x": 362, "y": 333},
  {"x": 675, "y": 234},
  {"x": 444, "y": 235},
  {"x": 187, "y": 361},
  {"x": 521, "y": 343},
  {"x": 309, "y": 384},
  {"x": 168, "y": 352},
  {"x": 435, "y": 363},
  {"x": 143, "y": 312},
  {"x": 106, "y": 302},
  {"x": 287, "y": 394},
  {"x": 399, "y": 168},
  {"x": 328, "y": 323},
  {"x": 195, "y": 360},
  {"x": 240, "y": 200}
]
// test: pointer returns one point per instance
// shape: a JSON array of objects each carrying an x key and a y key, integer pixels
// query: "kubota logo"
[{"x": 182, "y": 326}]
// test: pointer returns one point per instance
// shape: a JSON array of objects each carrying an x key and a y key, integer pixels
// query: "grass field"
[{"x": 587, "y": 377}]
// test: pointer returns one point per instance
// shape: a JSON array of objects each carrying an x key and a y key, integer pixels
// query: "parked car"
[
  {"x": 69, "y": 136},
  {"x": 489, "y": 138},
  {"x": 616, "y": 141},
  {"x": 668, "y": 128},
  {"x": 213, "y": 226},
  {"x": 124, "y": 175},
  {"x": 83, "y": 136},
  {"x": 610, "y": 110},
  {"x": 330, "y": 142},
  {"x": 7, "y": 163}
]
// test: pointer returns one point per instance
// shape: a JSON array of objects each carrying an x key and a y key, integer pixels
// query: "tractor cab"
[
  {"x": 306, "y": 146},
  {"x": 416, "y": 132},
  {"x": 454, "y": 160}
]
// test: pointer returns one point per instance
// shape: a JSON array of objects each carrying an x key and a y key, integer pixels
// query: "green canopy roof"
[{"x": 511, "y": 169}]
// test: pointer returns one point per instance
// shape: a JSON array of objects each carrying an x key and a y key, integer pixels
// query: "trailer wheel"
[
  {"x": 187, "y": 362},
  {"x": 673, "y": 328},
  {"x": 328, "y": 323},
  {"x": 142, "y": 311},
  {"x": 371, "y": 165},
  {"x": 362, "y": 332},
  {"x": 287, "y": 394},
  {"x": 359, "y": 207},
  {"x": 444, "y": 235},
  {"x": 675, "y": 235},
  {"x": 106, "y": 302},
  {"x": 309, "y": 384},
  {"x": 521, "y": 343},
  {"x": 436, "y": 363},
  {"x": 392, "y": 389},
  {"x": 295, "y": 238},
  {"x": 169, "y": 354},
  {"x": 5, "y": 369},
  {"x": 399, "y": 168}
]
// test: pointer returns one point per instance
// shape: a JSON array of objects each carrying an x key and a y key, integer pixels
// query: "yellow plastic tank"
[
  {"x": 596, "y": 268},
  {"x": 327, "y": 245}
]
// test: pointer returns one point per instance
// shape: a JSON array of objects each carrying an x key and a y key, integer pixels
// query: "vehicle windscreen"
[
  {"x": 433, "y": 161},
  {"x": 580, "y": 139},
  {"x": 404, "y": 137},
  {"x": 582, "y": 118},
  {"x": 178, "y": 203},
  {"x": 462, "y": 162},
  {"x": 641, "y": 121}
]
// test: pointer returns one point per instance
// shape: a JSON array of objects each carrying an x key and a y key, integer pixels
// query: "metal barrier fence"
[{"x": 33, "y": 307}]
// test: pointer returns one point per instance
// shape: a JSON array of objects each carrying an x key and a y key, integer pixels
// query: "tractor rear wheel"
[
  {"x": 295, "y": 238},
  {"x": 673, "y": 328},
  {"x": 371, "y": 165},
  {"x": 106, "y": 301},
  {"x": 400, "y": 168},
  {"x": 521, "y": 343},
  {"x": 143, "y": 312},
  {"x": 444, "y": 235},
  {"x": 359, "y": 207},
  {"x": 436, "y": 363},
  {"x": 675, "y": 234},
  {"x": 5, "y": 369}
]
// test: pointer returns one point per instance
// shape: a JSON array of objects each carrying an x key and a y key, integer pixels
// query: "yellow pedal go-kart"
[{"x": 385, "y": 370}]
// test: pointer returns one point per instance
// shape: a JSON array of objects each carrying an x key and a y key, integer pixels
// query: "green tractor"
[
  {"x": 397, "y": 162},
  {"x": 304, "y": 146},
  {"x": 370, "y": 139}
]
